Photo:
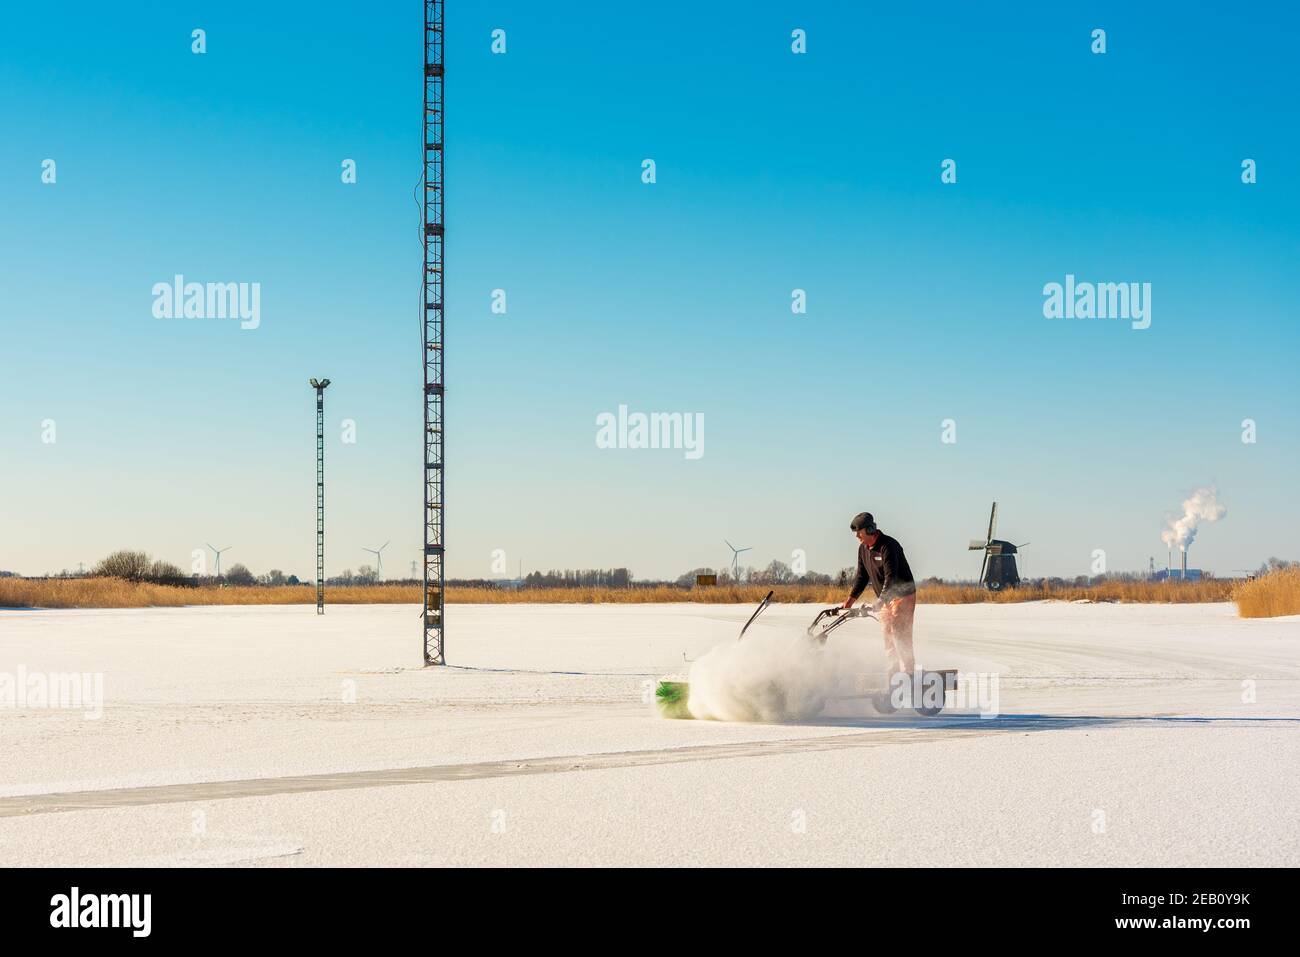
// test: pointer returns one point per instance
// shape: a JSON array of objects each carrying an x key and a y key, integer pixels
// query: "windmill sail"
[{"x": 987, "y": 544}]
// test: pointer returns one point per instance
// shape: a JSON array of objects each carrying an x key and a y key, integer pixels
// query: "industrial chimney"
[{"x": 1184, "y": 564}]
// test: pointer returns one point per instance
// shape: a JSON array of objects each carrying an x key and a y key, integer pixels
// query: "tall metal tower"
[
  {"x": 432, "y": 320},
  {"x": 319, "y": 386}
]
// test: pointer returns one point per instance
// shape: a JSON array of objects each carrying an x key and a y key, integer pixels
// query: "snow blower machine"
[{"x": 924, "y": 691}]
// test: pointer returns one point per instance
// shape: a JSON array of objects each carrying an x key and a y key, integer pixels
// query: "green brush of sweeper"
[{"x": 672, "y": 696}]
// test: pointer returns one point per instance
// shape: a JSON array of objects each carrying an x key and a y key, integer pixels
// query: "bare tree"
[
  {"x": 239, "y": 574},
  {"x": 132, "y": 566},
  {"x": 777, "y": 573},
  {"x": 164, "y": 571}
]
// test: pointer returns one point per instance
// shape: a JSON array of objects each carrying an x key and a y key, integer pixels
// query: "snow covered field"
[{"x": 1163, "y": 735}]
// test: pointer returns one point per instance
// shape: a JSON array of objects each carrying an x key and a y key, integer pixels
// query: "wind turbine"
[
  {"x": 379, "y": 556},
  {"x": 735, "y": 556},
  {"x": 217, "y": 552}
]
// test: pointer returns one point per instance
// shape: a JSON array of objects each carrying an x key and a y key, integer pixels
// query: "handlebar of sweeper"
[{"x": 841, "y": 615}]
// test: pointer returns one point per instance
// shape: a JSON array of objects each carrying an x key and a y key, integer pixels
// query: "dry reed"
[
  {"x": 1271, "y": 595},
  {"x": 116, "y": 593}
]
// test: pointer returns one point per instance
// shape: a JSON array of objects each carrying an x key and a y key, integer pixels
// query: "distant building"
[{"x": 1177, "y": 574}]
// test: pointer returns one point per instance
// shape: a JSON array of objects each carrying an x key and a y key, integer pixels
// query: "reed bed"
[
  {"x": 1256, "y": 598},
  {"x": 1269, "y": 596}
]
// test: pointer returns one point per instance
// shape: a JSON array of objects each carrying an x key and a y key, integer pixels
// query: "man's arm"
[
  {"x": 859, "y": 581},
  {"x": 889, "y": 573}
]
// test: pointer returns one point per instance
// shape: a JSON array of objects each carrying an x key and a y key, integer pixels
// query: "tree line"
[{"x": 134, "y": 566}]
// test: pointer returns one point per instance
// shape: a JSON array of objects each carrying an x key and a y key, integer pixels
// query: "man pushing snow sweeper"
[
  {"x": 883, "y": 566},
  {"x": 749, "y": 681}
]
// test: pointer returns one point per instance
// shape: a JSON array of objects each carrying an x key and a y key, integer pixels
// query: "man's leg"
[
  {"x": 891, "y": 650},
  {"x": 904, "y": 614},
  {"x": 896, "y": 628}
]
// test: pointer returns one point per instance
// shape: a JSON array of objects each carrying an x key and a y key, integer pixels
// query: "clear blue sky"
[{"x": 775, "y": 171}]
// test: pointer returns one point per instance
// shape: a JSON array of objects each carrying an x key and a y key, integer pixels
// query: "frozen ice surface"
[{"x": 269, "y": 736}]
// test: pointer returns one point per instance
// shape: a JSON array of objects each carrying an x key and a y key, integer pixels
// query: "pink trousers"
[{"x": 896, "y": 626}]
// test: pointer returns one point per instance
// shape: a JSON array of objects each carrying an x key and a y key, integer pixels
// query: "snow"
[{"x": 1126, "y": 734}]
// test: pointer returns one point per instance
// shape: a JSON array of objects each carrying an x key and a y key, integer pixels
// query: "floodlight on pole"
[{"x": 319, "y": 386}]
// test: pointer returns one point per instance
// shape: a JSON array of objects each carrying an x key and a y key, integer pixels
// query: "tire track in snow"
[{"x": 916, "y": 732}]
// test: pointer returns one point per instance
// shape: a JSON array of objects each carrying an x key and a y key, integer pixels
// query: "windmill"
[
  {"x": 379, "y": 556},
  {"x": 998, "y": 570},
  {"x": 735, "y": 560},
  {"x": 217, "y": 551}
]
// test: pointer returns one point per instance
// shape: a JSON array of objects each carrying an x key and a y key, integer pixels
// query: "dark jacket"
[{"x": 883, "y": 566}]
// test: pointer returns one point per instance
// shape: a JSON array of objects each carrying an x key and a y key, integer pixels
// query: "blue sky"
[{"x": 775, "y": 171}]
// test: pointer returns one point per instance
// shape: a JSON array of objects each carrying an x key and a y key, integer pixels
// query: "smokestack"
[{"x": 1184, "y": 564}]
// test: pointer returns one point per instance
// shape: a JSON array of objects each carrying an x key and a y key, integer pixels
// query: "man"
[{"x": 882, "y": 564}]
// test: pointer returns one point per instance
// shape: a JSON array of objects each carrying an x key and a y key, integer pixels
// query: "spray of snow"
[
  {"x": 777, "y": 675},
  {"x": 1201, "y": 506}
]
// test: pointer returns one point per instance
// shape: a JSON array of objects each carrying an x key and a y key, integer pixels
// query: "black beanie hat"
[{"x": 863, "y": 522}]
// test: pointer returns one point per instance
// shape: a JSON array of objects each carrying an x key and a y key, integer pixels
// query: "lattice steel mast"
[
  {"x": 319, "y": 386},
  {"x": 431, "y": 304}
]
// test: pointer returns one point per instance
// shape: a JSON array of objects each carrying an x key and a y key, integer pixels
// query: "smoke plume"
[{"x": 1201, "y": 506}]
